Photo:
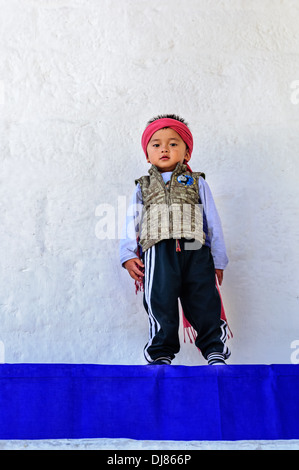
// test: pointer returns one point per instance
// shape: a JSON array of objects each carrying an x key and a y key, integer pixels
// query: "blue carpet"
[{"x": 72, "y": 401}]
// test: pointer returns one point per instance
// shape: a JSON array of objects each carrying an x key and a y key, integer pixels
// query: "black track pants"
[{"x": 188, "y": 275}]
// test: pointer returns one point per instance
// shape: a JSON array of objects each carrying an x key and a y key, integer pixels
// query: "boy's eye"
[{"x": 171, "y": 145}]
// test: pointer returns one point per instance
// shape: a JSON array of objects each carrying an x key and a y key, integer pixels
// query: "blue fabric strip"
[{"x": 68, "y": 401}]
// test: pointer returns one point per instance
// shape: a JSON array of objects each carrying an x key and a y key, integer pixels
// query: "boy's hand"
[
  {"x": 133, "y": 267},
  {"x": 219, "y": 274}
]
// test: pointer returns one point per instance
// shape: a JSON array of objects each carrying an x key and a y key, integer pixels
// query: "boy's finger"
[
  {"x": 135, "y": 276},
  {"x": 139, "y": 262},
  {"x": 138, "y": 271}
]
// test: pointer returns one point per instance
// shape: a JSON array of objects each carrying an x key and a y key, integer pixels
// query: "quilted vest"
[{"x": 172, "y": 210}]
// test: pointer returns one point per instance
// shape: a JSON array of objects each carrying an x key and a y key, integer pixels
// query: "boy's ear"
[{"x": 187, "y": 156}]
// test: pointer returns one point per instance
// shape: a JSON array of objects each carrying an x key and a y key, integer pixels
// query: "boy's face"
[{"x": 166, "y": 149}]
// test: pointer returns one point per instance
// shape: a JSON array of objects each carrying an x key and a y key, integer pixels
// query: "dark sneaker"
[
  {"x": 216, "y": 359},
  {"x": 160, "y": 362}
]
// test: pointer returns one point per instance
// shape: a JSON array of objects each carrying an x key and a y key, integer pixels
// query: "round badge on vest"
[{"x": 185, "y": 180}]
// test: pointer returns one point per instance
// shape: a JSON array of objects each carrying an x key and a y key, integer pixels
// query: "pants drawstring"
[{"x": 178, "y": 246}]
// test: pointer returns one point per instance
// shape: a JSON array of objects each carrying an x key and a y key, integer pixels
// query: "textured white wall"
[{"x": 78, "y": 81}]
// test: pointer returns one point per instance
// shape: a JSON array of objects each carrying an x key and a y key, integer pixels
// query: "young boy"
[{"x": 180, "y": 238}]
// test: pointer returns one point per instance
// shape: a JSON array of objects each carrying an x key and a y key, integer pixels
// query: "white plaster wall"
[{"x": 78, "y": 81}]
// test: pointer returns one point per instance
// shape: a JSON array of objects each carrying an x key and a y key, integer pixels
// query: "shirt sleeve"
[
  {"x": 130, "y": 231},
  {"x": 215, "y": 231}
]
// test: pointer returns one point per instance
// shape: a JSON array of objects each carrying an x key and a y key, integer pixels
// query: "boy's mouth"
[{"x": 164, "y": 158}]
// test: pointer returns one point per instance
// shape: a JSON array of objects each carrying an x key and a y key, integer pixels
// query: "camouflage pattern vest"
[{"x": 172, "y": 210}]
